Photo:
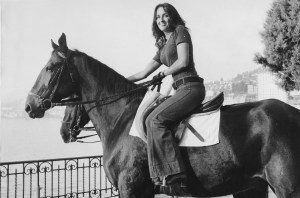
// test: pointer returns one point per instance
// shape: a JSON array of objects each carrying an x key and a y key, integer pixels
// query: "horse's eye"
[{"x": 48, "y": 68}]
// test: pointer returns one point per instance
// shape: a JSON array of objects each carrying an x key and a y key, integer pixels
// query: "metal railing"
[{"x": 63, "y": 177}]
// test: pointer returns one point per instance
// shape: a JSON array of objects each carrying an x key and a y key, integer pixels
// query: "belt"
[{"x": 185, "y": 80}]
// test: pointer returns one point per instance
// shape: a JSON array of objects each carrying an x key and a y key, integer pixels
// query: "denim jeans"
[{"x": 164, "y": 156}]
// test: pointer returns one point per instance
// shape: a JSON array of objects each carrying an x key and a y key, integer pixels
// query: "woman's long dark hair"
[{"x": 175, "y": 20}]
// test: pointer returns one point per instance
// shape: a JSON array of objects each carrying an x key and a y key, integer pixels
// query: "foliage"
[{"x": 281, "y": 38}]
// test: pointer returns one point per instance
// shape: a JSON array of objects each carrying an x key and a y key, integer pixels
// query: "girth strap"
[{"x": 193, "y": 130}]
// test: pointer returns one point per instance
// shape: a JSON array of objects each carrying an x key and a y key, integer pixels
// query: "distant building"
[
  {"x": 267, "y": 87},
  {"x": 251, "y": 89}
]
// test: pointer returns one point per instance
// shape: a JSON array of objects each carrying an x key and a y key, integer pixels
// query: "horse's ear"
[
  {"x": 54, "y": 45},
  {"x": 62, "y": 41}
]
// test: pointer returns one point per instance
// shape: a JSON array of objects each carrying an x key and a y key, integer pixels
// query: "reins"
[
  {"x": 78, "y": 139},
  {"x": 47, "y": 103},
  {"x": 110, "y": 99}
]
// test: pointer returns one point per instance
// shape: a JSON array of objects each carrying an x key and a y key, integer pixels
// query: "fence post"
[{"x": 38, "y": 191}]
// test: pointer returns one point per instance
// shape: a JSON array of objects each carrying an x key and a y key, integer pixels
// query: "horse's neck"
[{"x": 112, "y": 120}]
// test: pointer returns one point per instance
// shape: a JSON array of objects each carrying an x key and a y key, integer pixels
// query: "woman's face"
[{"x": 163, "y": 20}]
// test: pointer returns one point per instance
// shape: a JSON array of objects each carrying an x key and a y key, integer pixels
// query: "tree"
[{"x": 281, "y": 38}]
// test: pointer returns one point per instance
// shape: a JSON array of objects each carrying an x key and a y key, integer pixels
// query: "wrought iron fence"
[{"x": 64, "y": 177}]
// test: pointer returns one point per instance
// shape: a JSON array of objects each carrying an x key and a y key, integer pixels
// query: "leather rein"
[
  {"x": 102, "y": 101},
  {"x": 47, "y": 103}
]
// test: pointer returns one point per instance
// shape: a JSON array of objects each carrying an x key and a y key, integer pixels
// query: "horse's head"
[
  {"x": 74, "y": 119},
  {"x": 54, "y": 82}
]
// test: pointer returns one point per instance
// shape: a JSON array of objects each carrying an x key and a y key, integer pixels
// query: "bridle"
[
  {"x": 48, "y": 103},
  {"x": 75, "y": 130},
  {"x": 98, "y": 102}
]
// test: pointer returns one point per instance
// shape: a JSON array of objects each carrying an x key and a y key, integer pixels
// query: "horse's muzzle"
[
  {"x": 33, "y": 114},
  {"x": 33, "y": 107}
]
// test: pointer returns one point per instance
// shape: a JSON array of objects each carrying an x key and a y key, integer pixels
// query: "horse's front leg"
[{"x": 134, "y": 184}]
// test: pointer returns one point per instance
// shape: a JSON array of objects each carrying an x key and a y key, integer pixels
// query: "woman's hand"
[
  {"x": 157, "y": 80},
  {"x": 158, "y": 77}
]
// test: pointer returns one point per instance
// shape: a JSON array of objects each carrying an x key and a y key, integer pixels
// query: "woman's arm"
[
  {"x": 181, "y": 62},
  {"x": 151, "y": 67}
]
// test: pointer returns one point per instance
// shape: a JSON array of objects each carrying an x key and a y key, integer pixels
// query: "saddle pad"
[
  {"x": 207, "y": 125},
  {"x": 137, "y": 128}
]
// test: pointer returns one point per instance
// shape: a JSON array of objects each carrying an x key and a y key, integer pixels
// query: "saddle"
[{"x": 209, "y": 106}]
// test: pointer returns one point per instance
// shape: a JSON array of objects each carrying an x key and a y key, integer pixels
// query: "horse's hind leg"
[{"x": 283, "y": 175}]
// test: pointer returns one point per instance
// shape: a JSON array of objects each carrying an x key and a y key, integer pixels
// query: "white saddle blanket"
[{"x": 206, "y": 124}]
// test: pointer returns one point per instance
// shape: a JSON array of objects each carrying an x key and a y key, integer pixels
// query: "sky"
[{"x": 225, "y": 35}]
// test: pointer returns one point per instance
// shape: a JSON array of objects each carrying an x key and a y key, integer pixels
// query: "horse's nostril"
[{"x": 27, "y": 108}]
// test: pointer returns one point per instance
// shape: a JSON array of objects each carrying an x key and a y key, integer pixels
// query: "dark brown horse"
[
  {"x": 259, "y": 141},
  {"x": 75, "y": 119}
]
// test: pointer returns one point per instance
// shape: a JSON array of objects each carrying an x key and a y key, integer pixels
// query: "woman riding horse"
[{"x": 175, "y": 50}]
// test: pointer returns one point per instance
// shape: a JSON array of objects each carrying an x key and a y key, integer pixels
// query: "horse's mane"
[{"x": 114, "y": 81}]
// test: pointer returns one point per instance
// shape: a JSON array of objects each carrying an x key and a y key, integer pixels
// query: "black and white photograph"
[{"x": 150, "y": 98}]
